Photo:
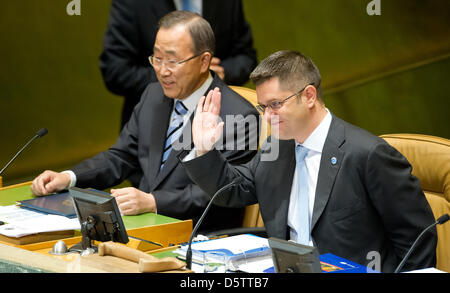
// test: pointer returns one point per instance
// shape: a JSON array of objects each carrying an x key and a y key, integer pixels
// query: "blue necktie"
[
  {"x": 303, "y": 225},
  {"x": 187, "y": 5},
  {"x": 175, "y": 130}
]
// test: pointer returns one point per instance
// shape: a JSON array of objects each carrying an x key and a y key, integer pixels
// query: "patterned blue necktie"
[
  {"x": 303, "y": 225},
  {"x": 174, "y": 131}
]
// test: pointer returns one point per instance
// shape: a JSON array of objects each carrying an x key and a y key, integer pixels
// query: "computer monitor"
[
  {"x": 99, "y": 218},
  {"x": 291, "y": 257}
]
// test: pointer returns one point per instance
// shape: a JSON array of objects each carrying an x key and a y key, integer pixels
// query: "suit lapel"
[
  {"x": 330, "y": 164},
  {"x": 184, "y": 142},
  {"x": 159, "y": 8},
  {"x": 166, "y": 5},
  {"x": 161, "y": 116},
  {"x": 284, "y": 168}
]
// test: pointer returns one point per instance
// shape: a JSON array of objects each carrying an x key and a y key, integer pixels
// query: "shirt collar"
[
  {"x": 316, "y": 139},
  {"x": 191, "y": 101}
]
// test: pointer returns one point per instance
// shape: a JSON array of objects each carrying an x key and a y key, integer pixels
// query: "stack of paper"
[
  {"x": 240, "y": 250},
  {"x": 22, "y": 222}
]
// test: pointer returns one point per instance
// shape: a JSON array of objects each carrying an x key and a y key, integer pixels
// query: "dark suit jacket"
[
  {"x": 140, "y": 147},
  {"x": 130, "y": 36},
  {"x": 367, "y": 201}
]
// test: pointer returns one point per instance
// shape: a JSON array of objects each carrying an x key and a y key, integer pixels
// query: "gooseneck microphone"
[
  {"x": 40, "y": 133},
  {"x": 441, "y": 220},
  {"x": 236, "y": 181}
]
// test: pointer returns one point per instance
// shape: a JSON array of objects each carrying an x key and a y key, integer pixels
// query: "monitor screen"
[
  {"x": 99, "y": 216},
  {"x": 291, "y": 257}
]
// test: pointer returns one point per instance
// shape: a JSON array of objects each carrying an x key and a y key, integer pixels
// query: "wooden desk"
[
  {"x": 149, "y": 226},
  {"x": 38, "y": 262},
  {"x": 157, "y": 228}
]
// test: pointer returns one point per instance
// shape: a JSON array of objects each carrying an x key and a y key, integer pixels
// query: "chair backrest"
[
  {"x": 250, "y": 95},
  {"x": 429, "y": 157},
  {"x": 252, "y": 216}
]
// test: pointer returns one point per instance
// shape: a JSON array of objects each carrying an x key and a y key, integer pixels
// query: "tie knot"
[
  {"x": 180, "y": 108},
  {"x": 300, "y": 153}
]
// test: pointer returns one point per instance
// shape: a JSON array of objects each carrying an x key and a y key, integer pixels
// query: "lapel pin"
[{"x": 333, "y": 161}]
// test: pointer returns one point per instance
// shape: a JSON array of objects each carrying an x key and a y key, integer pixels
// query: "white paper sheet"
[{"x": 22, "y": 222}]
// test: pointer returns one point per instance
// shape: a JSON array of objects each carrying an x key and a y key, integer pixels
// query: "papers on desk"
[
  {"x": 22, "y": 222},
  {"x": 242, "y": 251},
  {"x": 252, "y": 254}
]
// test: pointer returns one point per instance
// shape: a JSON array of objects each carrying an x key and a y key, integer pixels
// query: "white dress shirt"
[
  {"x": 192, "y": 101},
  {"x": 314, "y": 143}
]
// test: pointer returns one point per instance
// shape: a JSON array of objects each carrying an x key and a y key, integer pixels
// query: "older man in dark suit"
[
  {"x": 130, "y": 36},
  {"x": 330, "y": 184},
  {"x": 159, "y": 130}
]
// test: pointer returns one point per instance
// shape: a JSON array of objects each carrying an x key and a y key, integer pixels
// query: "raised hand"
[{"x": 206, "y": 129}]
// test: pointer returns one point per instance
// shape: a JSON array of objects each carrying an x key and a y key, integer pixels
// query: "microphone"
[
  {"x": 441, "y": 220},
  {"x": 236, "y": 181},
  {"x": 40, "y": 133}
]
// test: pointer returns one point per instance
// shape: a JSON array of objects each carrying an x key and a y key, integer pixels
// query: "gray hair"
[
  {"x": 293, "y": 69},
  {"x": 200, "y": 30}
]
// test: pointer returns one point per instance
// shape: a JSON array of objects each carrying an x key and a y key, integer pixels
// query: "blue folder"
[
  {"x": 334, "y": 264},
  {"x": 331, "y": 263},
  {"x": 56, "y": 204}
]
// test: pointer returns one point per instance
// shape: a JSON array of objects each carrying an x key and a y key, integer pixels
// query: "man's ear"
[
  {"x": 205, "y": 58},
  {"x": 310, "y": 95}
]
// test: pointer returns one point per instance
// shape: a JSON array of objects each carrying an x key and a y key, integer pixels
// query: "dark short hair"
[
  {"x": 201, "y": 32},
  {"x": 293, "y": 69}
]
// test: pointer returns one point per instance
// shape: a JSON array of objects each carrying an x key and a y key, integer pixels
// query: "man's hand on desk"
[
  {"x": 132, "y": 201},
  {"x": 49, "y": 182}
]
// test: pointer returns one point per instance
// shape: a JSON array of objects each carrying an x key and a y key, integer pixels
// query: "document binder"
[
  {"x": 235, "y": 247},
  {"x": 56, "y": 204}
]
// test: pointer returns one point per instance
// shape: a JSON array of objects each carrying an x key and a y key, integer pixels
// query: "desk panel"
[
  {"x": 149, "y": 226},
  {"x": 11, "y": 194}
]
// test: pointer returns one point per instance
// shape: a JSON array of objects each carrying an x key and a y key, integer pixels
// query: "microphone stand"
[
  {"x": 440, "y": 220},
  {"x": 237, "y": 181},
  {"x": 40, "y": 133}
]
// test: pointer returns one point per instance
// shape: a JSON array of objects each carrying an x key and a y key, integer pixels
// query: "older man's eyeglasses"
[
  {"x": 170, "y": 64},
  {"x": 276, "y": 105}
]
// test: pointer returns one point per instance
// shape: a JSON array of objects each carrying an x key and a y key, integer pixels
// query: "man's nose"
[{"x": 164, "y": 70}]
